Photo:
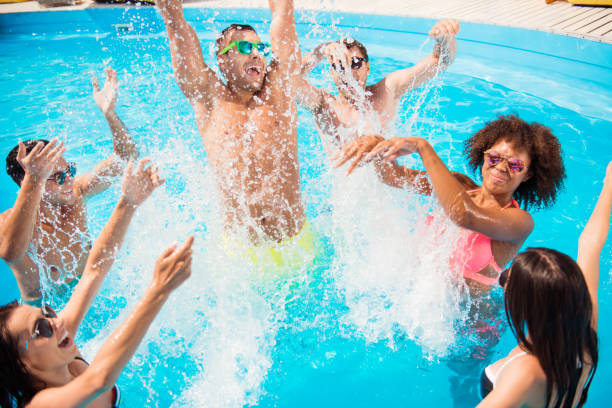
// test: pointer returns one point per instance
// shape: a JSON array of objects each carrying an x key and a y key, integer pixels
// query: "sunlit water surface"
[{"x": 377, "y": 320}]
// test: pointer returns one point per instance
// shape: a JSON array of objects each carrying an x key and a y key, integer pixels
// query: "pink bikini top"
[{"x": 474, "y": 253}]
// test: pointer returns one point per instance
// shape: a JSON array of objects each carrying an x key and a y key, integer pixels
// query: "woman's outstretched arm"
[
  {"x": 172, "y": 268},
  {"x": 137, "y": 186},
  {"x": 592, "y": 240}
]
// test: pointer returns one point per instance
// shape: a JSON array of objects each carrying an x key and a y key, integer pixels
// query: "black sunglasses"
[
  {"x": 503, "y": 277},
  {"x": 42, "y": 326},
  {"x": 357, "y": 62}
]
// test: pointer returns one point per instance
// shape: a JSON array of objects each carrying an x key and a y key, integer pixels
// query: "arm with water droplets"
[
  {"x": 512, "y": 225},
  {"x": 285, "y": 45},
  {"x": 195, "y": 79},
  {"x": 124, "y": 146},
  {"x": 17, "y": 225},
  {"x": 172, "y": 268},
  {"x": 137, "y": 185},
  {"x": 593, "y": 239},
  {"x": 399, "y": 82}
]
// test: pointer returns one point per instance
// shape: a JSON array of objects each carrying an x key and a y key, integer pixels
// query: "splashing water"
[{"x": 228, "y": 338}]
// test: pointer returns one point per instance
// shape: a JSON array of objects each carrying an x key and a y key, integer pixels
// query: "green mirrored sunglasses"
[{"x": 246, "y": 47}]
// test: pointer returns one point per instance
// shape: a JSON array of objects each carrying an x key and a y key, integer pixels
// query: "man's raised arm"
[
  {"x": 194, "y": 77},
  {"x": 283, "y": 37}
]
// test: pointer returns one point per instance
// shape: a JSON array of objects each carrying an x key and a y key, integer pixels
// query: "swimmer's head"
[
  {"x": 537, "y": 184},
  {"x": 358, "y": 68},
  {"x": 13, "y": 168},
  {"x": 59, "y": 188},
  {"x": 243, "y": 72},
  {"x": 549, "y": 309}
]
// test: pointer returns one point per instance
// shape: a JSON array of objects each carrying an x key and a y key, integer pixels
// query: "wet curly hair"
[{"x": 546, "y": 168}]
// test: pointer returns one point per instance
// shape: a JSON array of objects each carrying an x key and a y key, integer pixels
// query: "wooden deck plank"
[
  {"x": 588, "y": 20},
  {"x": 597, "y": 25},
  {"x": 579, "y": 17},
  {"x": 491, "y": 12},
  {"x": 462, "y": 12},
  {"x": 520, "y": 15},
  {"x": 569, "y": 12},
  {"x": 541, "y": 18}
]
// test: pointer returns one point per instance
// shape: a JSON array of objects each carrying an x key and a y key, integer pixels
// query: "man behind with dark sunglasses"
[
  {"x": 46, "y": 230},
  {"x": 247, "y": 123},
  {"x": 360, "y": 109}
]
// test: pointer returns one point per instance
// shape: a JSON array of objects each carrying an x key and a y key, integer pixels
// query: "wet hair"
[
  {"x": 13, "y": 168},
  {"x": 18, "y": 386},
  {"x": 546, "y": 296},
  {"x": 546, "y": 167},
  {"x": 228, "y": 30},
  {"x": 351, "y": 42}
]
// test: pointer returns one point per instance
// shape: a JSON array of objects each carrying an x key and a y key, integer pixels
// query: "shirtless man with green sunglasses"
[{"x": 247, "y": 123}]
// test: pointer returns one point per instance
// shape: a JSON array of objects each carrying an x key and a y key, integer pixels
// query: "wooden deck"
[{"x": 593, "y": 23}]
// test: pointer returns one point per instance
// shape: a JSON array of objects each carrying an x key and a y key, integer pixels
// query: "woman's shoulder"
[{"x": 524, "y": 376}]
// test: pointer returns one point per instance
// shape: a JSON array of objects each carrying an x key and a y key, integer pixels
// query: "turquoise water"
[{"x": 374, "y": 322}]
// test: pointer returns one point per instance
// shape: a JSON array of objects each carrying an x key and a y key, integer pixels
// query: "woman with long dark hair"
[
  {"x": 40, "y": 366},
  {"x": 521, "y": 168},
  {"x": 552, "y": 306}
]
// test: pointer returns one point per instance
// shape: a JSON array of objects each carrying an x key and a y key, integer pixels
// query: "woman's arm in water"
[
  {"x": 137, "y": 186},
  {"x": 172, "y": 268},
  {"x": 592, "y": 240}
]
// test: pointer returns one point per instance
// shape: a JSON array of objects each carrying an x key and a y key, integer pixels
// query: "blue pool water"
[{"x": 374, "y": 322}]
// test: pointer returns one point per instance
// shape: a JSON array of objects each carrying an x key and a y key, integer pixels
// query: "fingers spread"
[
  {"x": 59, "y": 152},
  {"x": 36, "y": 150},
  {"x": 357, "y": 161}
]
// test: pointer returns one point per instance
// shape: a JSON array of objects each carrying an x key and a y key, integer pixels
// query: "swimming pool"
[{"x": 372, "y": 323}]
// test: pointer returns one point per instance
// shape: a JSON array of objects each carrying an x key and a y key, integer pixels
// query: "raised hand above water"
[
  {"x": 173, "y": 267},
  {"x": 444, "y": 32},
  {"x": 139, "y": 183},
  {"x": 41, "y": 161},
  {"x": 107, "y": 96}
]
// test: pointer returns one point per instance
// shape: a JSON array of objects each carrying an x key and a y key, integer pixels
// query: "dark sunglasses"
[
  {"x": 494, "y": 158},
  {"x": 357, "y": 62},
  {"x": 503, "y": 277},
  {"x": 42, "y": 326},
  {"x": 60, "y": 176}
]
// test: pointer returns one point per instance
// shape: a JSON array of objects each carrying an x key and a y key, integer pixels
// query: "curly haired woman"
[{"x": 520, "y": 165}]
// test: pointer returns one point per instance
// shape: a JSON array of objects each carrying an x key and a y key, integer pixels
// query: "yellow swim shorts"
[{"x": 279, "y": 259}]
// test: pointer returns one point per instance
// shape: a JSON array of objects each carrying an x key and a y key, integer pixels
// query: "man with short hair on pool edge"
[
  {"x": 45, "y": 233},
  {"x": 360, "y": 109},
  {"x": 248, "y": 125}
]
